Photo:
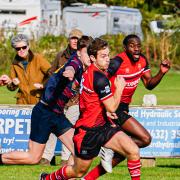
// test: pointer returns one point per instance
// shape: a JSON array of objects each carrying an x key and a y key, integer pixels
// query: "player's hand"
[
  {"x": 1, "y": 82},
  {"x": 119, "y": 82},
  {"x": 69, "y": 73},
  {"x": 111, "y": 115},
  {"x": 4, "y": 80},
  {"x": 38, "y": 86},
  {"x": 16, "y": 81},
  {"x": 165, "y": 66}
]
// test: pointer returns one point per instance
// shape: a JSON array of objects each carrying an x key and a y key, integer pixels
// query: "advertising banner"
[
  {"x": 163, "y": 123},
  {"x": 164, "y": 126}
]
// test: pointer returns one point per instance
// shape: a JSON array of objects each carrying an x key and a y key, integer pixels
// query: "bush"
[{"x": 155, "y": 47}]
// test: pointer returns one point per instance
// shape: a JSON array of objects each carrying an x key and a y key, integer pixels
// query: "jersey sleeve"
[
  {"x": 102, "y": 86},
  {"x": 75, "y": 64},
  {"x": 114, "y": 65},
  {"x": 147, "y": 67}
]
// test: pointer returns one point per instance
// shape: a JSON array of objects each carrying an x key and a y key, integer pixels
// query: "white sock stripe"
[
  {"x": 63, "y": 172},
  {"x": 135, "y": 167},
  {"x": 55, "y": 175},
  {"x": 50, "y": 177},
  {"x": 129, "y": 163},
  {"x": 135, "y": 175}
]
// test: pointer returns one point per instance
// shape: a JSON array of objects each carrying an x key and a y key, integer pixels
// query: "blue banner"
[
  {"x": 164, "y": 127},
  {"x": 162, "y": 123},
  {"x": 14, "y": 129}
]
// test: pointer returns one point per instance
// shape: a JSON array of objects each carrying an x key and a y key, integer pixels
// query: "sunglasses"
[{"x": 19, "y": 48}]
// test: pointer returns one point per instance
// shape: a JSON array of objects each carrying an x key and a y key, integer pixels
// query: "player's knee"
[
  {"x": 134, "y": 153},
  {"x": 146, "y": 140},
  {"x": 80, "y": 173},
  {"x": 34, "y": 159}
]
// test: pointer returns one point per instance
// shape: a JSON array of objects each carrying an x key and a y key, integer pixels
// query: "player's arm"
[
  {"x": 112, "y": 103},
  {"x": 114, "y": 65},
  {"x": 102, "y": 88},
  {"x": 151, "y": 82}
]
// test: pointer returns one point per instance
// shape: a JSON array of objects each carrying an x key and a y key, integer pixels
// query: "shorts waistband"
[{"x": 94, "y": 128}]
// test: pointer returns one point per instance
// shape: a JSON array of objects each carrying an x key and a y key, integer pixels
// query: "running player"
[
  {"x": 93, "y": 129},
  {"x": 133, "y": 66}
]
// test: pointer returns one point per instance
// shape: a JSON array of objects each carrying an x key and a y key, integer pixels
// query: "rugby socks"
[
  {"x": 1, "y": 159},
  {"x": 59, "y": 174},
  {"x": 99, "y": 170},
  {"x": 95, "y": 173},
  {"x": 134, "y": 169}
]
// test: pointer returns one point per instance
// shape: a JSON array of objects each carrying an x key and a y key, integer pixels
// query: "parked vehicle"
[
  {"x": 160, "y": 26},
  {"x": 99, "y": 20},
  {"x": 34, "y": 18}
]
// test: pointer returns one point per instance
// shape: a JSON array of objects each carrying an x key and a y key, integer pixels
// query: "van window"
[
  {"x": 160, "y": 24},
  {"x": 2, "y": 11}
]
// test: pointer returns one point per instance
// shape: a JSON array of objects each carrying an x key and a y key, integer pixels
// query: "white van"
[
  {"x": 34, "y": 17},
  {"x": 100, "y": 20},
  {"x": 159, "y": 26}
]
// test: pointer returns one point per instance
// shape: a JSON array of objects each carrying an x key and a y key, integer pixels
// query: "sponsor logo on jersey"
[
  {"x": 106, "y": 90},
  {"x": 132, "y": 83}
]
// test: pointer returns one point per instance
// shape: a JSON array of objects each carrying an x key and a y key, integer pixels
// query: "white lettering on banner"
[
  {"x": 168, "y": 123},
  {"x": 9, "y": 123},
  {"x": 152, "y": 113},
  {"x": 176, "y": 114},
  {"x": 134, "y": 113},
  {"x": 159, "y": 134},
  {"x": 14, "y": 112},
  {"x": 26, "y": 112},
  {"x": 8, "y": 141},
  {"x": 17, "y": 125},
  {"x": 163, "y": 134},
  {"x": 5, "y": 150},
  {"x": 28, "y": 122},
  {"x": 175, "y": 134},
  {"x": 164, "y": 145}
]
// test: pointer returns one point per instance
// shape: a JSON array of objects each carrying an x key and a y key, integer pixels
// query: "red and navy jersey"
[
  {"x": 60, "y": 89},
  {"x": 95, "y": 88},
  {"x": 130, "y": 71}
]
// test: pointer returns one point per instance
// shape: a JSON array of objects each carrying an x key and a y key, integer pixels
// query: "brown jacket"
[
  {"x": 35, "y": 72},
  {"x": 61, "y": 58}
]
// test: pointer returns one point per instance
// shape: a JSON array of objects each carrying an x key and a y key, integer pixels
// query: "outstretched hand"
[
  {"x": 16, "y": 81},
  {"x": 165, "y": 66},
  {"x": 38, "y": 86},
  {"x": 4, "y": 80},
  {"x": 69, "y": 73}
]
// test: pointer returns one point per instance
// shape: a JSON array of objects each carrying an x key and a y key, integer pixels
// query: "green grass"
[
  {"x": 166, "y": 169},
  {"x": 6, "y": 96},
  {"x": 167, "y": 92}
]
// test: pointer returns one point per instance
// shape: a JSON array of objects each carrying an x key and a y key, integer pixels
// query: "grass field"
[
  {"x": 167, "y": 92},
  {"x": 166, "y": 169}
]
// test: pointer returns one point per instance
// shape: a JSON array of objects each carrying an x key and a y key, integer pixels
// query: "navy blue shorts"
[{"x": 44, "y": 121}]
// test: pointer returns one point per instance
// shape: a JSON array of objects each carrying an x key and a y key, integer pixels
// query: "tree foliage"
[{"x": 163, "y": 6}]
